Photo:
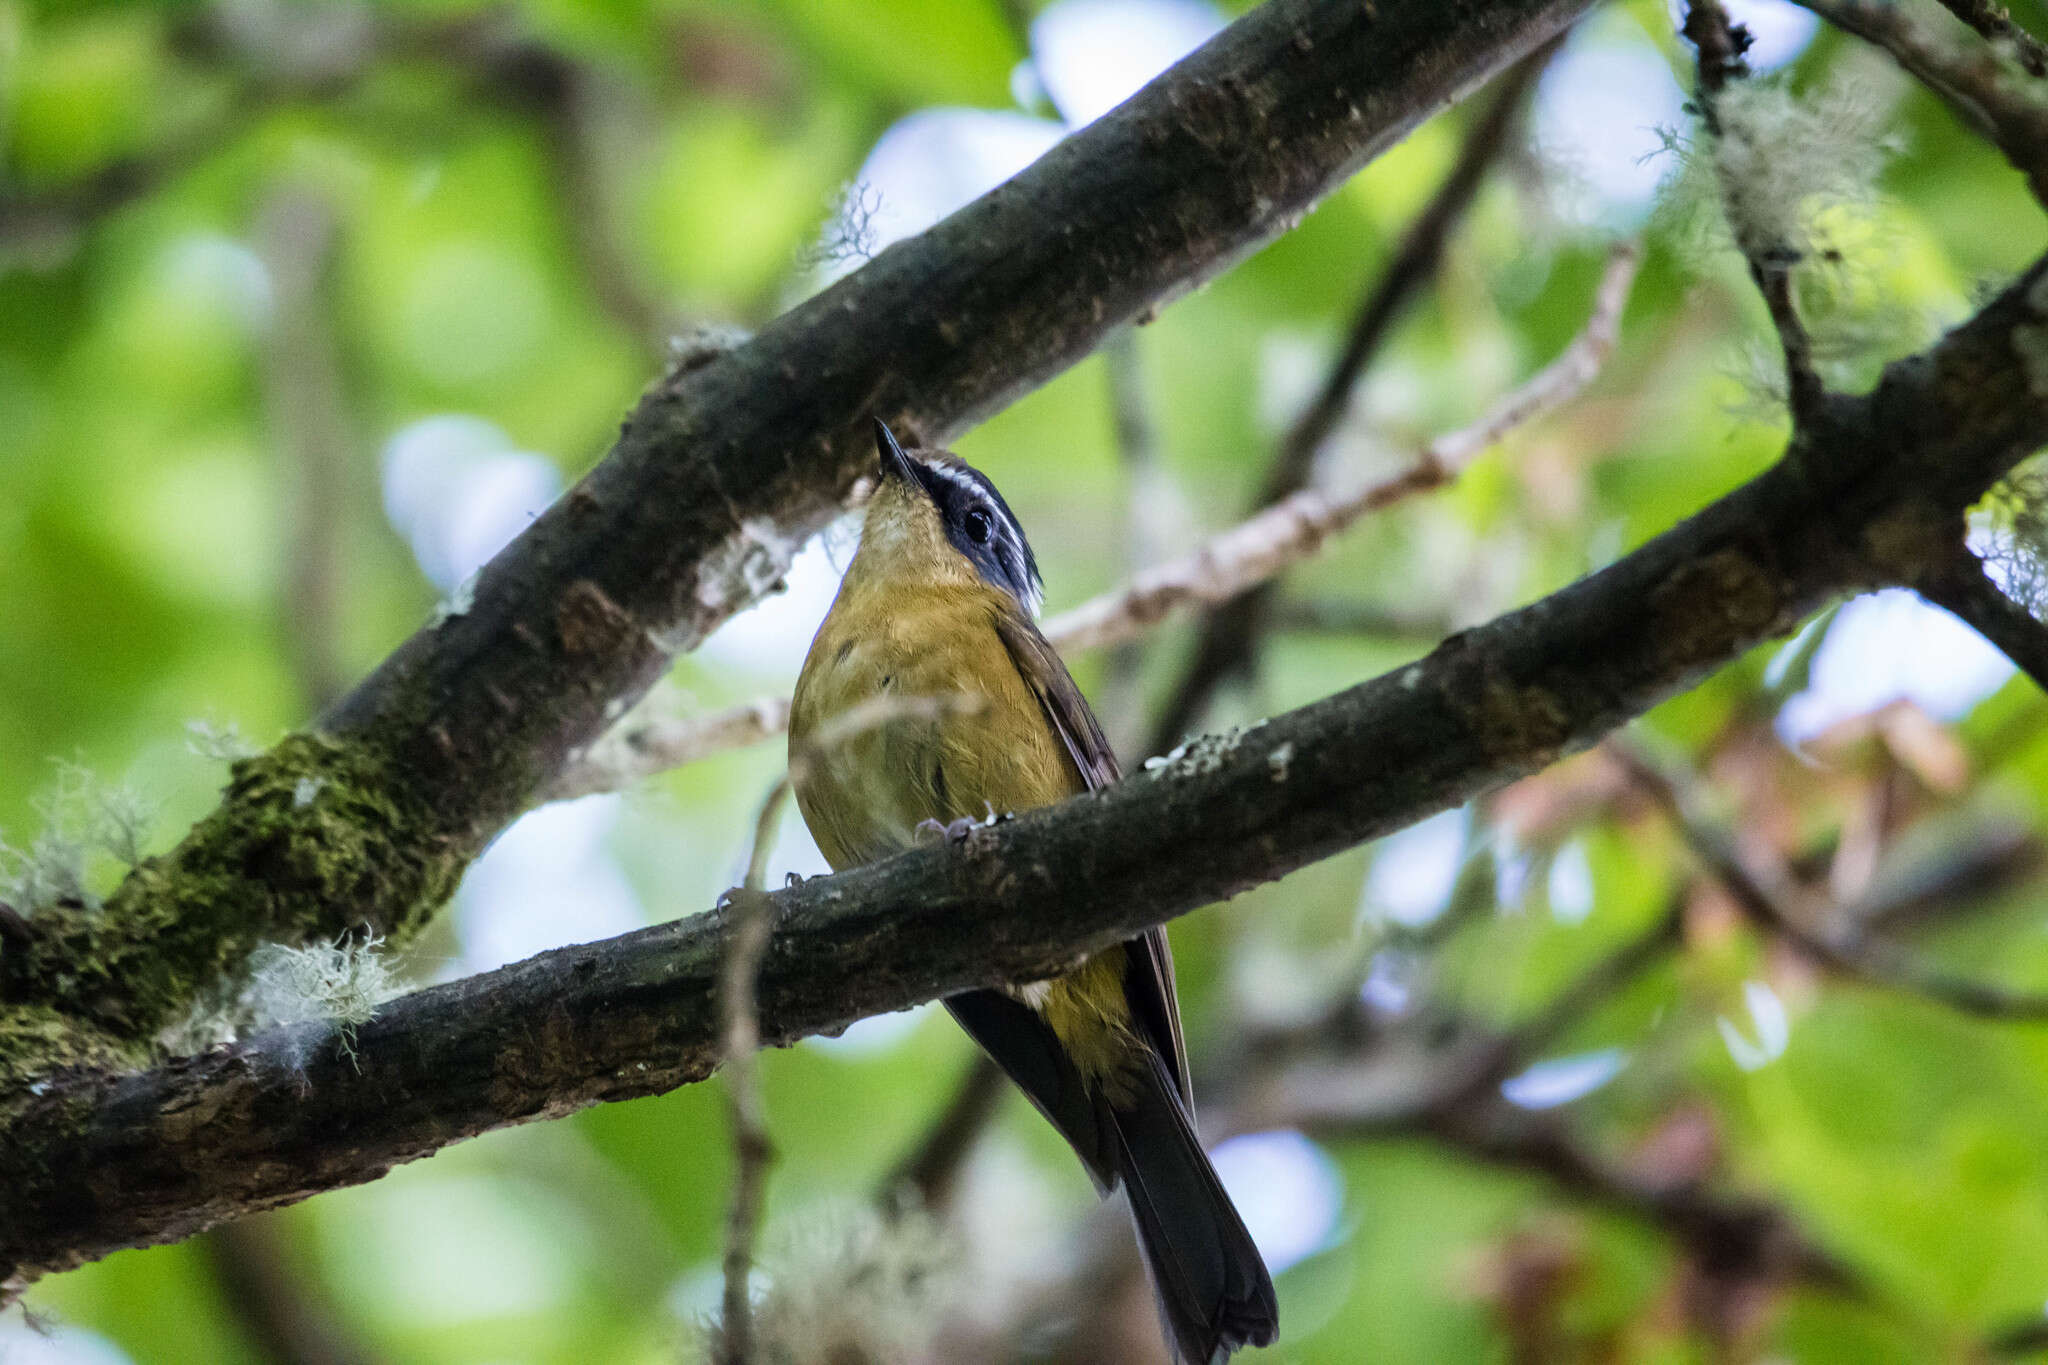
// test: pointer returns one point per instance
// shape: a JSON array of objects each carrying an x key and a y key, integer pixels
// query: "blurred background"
[{"x": 306, "y": 309}]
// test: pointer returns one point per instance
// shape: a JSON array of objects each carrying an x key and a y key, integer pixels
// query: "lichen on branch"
[{"x": 313, "y": 839}]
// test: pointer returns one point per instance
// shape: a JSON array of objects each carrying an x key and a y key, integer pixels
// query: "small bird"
[{"x": 938, "y": 603}]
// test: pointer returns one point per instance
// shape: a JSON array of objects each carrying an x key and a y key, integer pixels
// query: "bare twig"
[
  {"x": 1248, "y": 554},
  {"x": 1721, "y": 46},
  {"x": 1229, "y": 636},
  {"x": 309, "y": 419},
  {"x": 753, "y": 924},
  {"x": 1735, "y": 1237},
  {"x": 1759, "y": 896},
  {"x": 927, "y": 1173},
  {"x": 1155, "y": 521},
  {"x": 1987, "y": 96},
  {"x": 286, "y": 1320},
  {"x": 1993, "y": 22},
  {"x": 1296, "y": 527}
]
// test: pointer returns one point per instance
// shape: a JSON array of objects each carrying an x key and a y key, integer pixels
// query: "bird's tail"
[{"x": 1213, "y": 1290}]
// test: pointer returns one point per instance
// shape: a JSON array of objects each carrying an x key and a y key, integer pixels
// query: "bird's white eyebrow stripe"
[
  {"x": 977, "y": 485},
  {"x": 960, "y": 478}
]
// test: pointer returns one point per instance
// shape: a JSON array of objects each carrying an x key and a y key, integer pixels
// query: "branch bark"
[
  {"x": 1868, "y": 495},
  {"x": 724, "y": 468}
]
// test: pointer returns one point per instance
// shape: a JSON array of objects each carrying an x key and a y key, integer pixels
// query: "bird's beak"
[{"x": 895, "y": 463}]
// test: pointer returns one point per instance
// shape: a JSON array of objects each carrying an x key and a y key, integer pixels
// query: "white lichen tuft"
[
  {"x": 222, "y": 743},
  {"x": 1785, "y": 161},
  {"x": 849, "y": 233},
  {"x": 1280, "y": 760},
  {"x": 1198, "y": 757},
  {"x": 850, "y": 1287},
  {"x": 1791, "y": 181},
  {"x": 455, "y": 604},
  {"x": 341, "y": 982},
  {"x": 306, "y": 791},
  {"x": 82, "y": 817}
]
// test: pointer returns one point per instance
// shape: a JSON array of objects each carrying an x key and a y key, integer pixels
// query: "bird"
[{"x": 939, "y": 601}]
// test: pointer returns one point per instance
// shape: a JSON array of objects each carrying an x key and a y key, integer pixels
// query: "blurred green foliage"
[{"x": 522, "y": 201}]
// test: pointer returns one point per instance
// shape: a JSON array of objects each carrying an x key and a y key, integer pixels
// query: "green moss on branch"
[{"x": 313, "y": 839}]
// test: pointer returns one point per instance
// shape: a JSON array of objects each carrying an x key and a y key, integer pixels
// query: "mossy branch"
[
  {"x": 1870, "y": 495},
  {"x": 727, "y": 464}
]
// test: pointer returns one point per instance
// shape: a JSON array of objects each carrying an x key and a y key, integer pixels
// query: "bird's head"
[{"x": 934, "y": 516}]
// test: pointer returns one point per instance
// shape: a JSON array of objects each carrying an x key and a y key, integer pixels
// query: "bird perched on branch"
[{"x": 938, "y": 603}]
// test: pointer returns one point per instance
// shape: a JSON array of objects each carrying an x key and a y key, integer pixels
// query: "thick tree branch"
[
  {"x": 720, "y": 473},
  {"x": 93, "y": 1161}
]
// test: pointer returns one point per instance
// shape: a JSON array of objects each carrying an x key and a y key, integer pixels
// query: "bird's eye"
[{"x": 980, "y": 525}]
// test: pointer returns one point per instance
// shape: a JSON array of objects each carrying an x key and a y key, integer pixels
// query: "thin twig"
[
  {"x": 1763, "y": 904},
  {"x": 1984, "y": 93},
  {"x": 1298, "y": 526},
  {"x": 310, "y": 421},
  {"x": 286, "y": 1317},
  {"x": 1155, "y": 521},
  {"x": 643, "y": 746},
  {"x": 1721, "y": 46},
  {"x": 1992, "y": 21},
  {"x": 1597, "y": 983},
  {"x": 1414, "y": 265},
  {"x": 1968, "y": 592},
  {"x": 753, "y": 925},
  {"x": 1229, "y": 636},
  {"x": 926, "y": 1175},
  {"x": 1244, "y": 556}
]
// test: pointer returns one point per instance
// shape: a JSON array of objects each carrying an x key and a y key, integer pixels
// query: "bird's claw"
[{"x": 932, "y": 832}]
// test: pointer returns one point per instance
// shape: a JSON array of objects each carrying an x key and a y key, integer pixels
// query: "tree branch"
[
  {"x": 1992, "y": 21},
  {"x": 1763, "y": 904},
  {"x": 927, "y": 1173},
  {"x": 1975, "y": 85},
  {"x": 720, "y": 473},
  {"x": 95, "y": 1160},
  {"x": 1966, "y": 591},
  {"x": 1250, "y": 553}
]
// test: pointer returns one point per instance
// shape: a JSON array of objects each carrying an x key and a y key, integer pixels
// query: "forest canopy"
[{"x": 1535, "y": 490}]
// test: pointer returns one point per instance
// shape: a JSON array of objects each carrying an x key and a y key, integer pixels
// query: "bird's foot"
[{"x": 932, "y": 832}]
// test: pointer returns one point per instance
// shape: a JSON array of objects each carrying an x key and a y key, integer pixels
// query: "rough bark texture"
[
  {"x": 723, "y": 469},
  {"x": 1872, "y": 492}
]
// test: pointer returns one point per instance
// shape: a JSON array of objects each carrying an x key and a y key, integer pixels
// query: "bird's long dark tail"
[{"x": 1213, "y": 1290}]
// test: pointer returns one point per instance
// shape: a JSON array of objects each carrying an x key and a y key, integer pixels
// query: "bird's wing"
[{"x": 1148, "y": 975}]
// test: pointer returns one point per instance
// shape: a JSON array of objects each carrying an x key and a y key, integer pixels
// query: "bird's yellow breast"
[{"x": 865, "y": 795}]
